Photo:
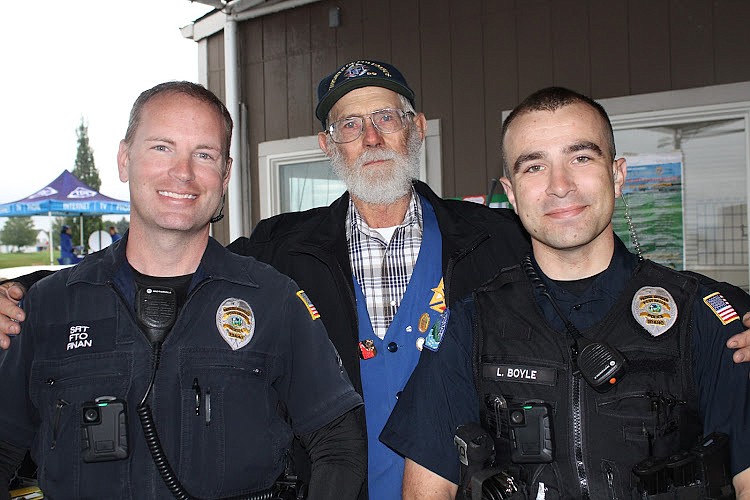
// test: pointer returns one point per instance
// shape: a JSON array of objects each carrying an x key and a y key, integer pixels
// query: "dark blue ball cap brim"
[{"x": 355, "y": 75}]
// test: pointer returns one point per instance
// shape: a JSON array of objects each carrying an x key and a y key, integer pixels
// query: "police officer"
[
  {"x": 165, "y": 364},
  {"x": 517, "y": 355}
]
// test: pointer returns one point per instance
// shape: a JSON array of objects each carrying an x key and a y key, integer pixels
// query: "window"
[
  {"x": 708, "y": 130},
  {"x": 295, "y": 175}
]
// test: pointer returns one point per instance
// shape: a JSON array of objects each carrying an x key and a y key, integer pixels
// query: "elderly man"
[
  {"x": 385, "y": 261},
  {"x": 231, "y": 356},
  {"x": 587, "y": 366}
]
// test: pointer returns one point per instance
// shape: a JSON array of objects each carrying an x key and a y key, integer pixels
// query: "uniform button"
[
  {"x": 577, "y": 307},
  {"x": 393, "y": 303},
  {"x": 393, "y": 347}
]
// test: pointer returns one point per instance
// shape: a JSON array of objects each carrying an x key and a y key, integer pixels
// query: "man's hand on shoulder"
[
  {"x": 11, "y": 315},
  {"x": 742, "y": 485},
  {"x": 741, "y": 342}
]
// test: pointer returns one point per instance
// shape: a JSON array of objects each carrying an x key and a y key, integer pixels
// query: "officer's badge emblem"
[
  {"x": 721, "y": 308},
  {"x": 654, "y": 309},
  {"x": 236, "y": 322}
]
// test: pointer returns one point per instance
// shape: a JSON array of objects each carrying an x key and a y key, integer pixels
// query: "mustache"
[{"x": 375, "y": 155}]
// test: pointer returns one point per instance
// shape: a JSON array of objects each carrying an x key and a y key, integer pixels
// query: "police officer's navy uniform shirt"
[
  {"x": 247, "y": 364},
  {"x": 441, "y": 394}
]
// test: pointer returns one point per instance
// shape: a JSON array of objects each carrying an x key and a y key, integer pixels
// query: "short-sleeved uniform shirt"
[
  {"x": 246, "y": 365},
  {"x": 441, "y": 394}
]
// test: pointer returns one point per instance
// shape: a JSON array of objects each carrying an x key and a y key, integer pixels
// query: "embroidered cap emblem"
[
  {"x": 654, "y": 309},
  {"x": 236, "y": 322}
]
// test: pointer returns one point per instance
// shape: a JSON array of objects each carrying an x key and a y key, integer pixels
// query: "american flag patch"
[
  {"x": 308, "y": 304},
  {"x": 721, "y": 308}
]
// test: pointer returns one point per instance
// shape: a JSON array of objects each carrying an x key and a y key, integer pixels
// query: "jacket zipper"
[
  {"x": 610, "y": 482},
  {"x": 61, "y": 403},
  {"x": 578, "y": 453}
]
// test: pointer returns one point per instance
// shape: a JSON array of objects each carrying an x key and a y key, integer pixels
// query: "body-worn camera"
[
  {"x": 104, "y": 430},
  {"x": 527, "y": 426},
  {"x": 530, "y": 433}
]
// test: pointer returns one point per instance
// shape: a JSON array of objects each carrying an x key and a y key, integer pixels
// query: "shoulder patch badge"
[
  {"x": 236, "y": 322},
  {"x": 308, "y": 304},
  {"x": 654, "y": 309},
  {"x": 721, "y": 308}
]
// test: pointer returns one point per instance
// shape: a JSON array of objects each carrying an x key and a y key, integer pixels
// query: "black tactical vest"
[{"x": 596, "y": 438}]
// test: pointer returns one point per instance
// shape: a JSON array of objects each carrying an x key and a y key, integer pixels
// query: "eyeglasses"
[{"x": 386, "y": 121}]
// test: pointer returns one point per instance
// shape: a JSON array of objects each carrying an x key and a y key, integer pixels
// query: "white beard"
[{"x": 380, "y": 185}]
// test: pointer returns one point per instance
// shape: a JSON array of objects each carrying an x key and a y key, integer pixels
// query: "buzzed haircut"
[
  {"x": 551, "y": 99},
  {"x": 190, "y": 89}
]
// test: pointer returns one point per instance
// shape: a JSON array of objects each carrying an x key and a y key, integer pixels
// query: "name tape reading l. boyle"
[{"x": 520, "y": 373}]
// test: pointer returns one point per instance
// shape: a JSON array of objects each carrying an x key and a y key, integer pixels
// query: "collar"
[
  {"x": 217, "y": 263},
  {"x": 608, "y": 283},
  {"x": 355, "y": 221}
]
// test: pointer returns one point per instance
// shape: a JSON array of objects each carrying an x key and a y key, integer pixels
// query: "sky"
[{"x": 63, "y": 60}]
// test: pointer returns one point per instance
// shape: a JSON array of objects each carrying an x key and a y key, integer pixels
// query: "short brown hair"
[
  {"x": 552, "y": 99},
  {"x": 190, "y": 89}
]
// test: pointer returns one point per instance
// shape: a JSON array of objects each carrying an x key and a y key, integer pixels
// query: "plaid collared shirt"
[{"x": 383, "y": 269}]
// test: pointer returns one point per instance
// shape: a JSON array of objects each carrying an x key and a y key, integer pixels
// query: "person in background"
[
  {"x": 611, "y": 358},
  {"x": 145, "y": 372},
  {"x": 66, "y": 246},
  {"x": 114, "y": 234}
]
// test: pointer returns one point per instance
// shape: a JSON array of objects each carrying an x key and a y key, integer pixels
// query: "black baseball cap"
[{"x": 358, "y": 74}]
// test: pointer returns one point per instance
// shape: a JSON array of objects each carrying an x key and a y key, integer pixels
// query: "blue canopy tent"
[{"x": 66, "y": 195}]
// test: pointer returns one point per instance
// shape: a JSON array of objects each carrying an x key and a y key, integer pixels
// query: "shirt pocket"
[
  {"x": 233, "y": 436},
  {"x": 59, "y": 388}
]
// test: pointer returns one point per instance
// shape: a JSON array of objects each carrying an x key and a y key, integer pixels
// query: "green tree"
[
  {"x": 18, "y": 232},
  {"x": 86, "y": 171}
]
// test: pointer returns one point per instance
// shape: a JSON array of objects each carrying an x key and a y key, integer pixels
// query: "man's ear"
[
  {"x": 508, "y": 187},
  {"x": 619, "y": 173},
  {"x": 227, "y": 176},
  {"x": 323, "y": 142},
  {"x": 122, "y": 161},
  {"x": 421, "y": 122}
]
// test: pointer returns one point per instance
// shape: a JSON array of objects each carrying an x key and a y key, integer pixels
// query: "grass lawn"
[{"x": 26, "y": 259}]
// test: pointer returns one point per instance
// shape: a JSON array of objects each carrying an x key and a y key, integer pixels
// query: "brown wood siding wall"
[{"x": 468, "y": 60}]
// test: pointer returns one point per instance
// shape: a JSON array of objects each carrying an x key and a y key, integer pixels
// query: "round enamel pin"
[
  {"x": 654, "y": 309},
  {"x": 236, "y": 322}
]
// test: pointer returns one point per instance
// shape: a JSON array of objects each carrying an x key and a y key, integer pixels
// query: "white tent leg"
[{"x": 51, "y": 245}]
